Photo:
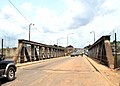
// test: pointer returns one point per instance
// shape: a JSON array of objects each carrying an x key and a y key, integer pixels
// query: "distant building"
[{"x": 69, "y": 49}]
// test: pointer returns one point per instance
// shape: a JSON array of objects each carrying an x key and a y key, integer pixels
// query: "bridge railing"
[
  {"x": 101, "y": 50},
  {"x": 31, "y": 51}
]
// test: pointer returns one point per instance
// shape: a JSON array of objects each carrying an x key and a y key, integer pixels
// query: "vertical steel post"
[
  {"x": 30, "y": 29},
  {"x": 115, "y": 58},
  {"x": 94, "y": 35},
  {"x": 2, "y": 48}
]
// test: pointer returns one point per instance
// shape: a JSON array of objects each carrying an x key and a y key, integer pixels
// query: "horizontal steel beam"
[{"x": 40, "y": 44}]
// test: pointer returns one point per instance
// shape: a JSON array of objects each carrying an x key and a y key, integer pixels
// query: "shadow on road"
[{"x": 3, "y": 81}]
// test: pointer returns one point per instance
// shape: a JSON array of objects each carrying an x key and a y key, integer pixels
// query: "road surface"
[{"x": 65, "y": 71}]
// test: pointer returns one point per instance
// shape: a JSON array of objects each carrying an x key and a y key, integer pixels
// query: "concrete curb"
[
  {"x": 35, "y": 62},
  {"x": 28, "y": 63},
  {"x": 97, "y": 69}
]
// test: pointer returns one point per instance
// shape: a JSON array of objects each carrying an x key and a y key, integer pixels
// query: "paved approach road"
[{"x": 65, "y": 71}]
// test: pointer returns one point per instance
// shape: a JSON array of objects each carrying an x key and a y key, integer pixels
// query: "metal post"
[
  {"x": 94, "y": 35},
  {"x": 115, "y": 58},
  {"x": 68, "y": 38},
  {"x": 57, "y": 41},
  {"x": 29, "y": 29},
  {"x": 2, "y": 47}
]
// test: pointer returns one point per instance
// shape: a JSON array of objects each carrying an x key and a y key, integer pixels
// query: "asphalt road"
[{"x": 66, "y": 71}]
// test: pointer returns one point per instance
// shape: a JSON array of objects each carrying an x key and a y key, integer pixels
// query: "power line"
[
  {"x": 21, "y": 14},
  {"x": 18, "y": 11},
  {"x": 10, "y": 19},
  {"x": 37, "y": 29}
]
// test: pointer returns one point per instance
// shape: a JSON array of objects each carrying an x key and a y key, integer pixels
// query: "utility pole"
[
  {"x": 57, "y": 41},
  {"x": 115, "y": 59},
  {"x": 68, "y": 38},
  {"x": 30, "y": 29},
  {"x": 94, "y": 35},
  {"x": 2, "y": 48}
]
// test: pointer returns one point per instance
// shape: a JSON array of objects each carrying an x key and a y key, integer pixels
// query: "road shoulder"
[{"x": 110, "y": 74}]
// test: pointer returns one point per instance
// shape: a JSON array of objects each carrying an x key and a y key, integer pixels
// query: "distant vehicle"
[
  {"x": 7, "y": 69},
  {"x": 74, "y": 54}
]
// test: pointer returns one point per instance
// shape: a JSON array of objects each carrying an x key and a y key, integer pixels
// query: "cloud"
[
  {"x": 82, "y": 12},
  {"x": 27, "y": 6},
  {"x": 76, "y": 16},
  {"x": 78, "y": 22},
  {"x": 12, "y": 25},
  {"x": 88, "y": 15},
  {"x": 46, "y": 18},
  {"x": 102, "y": 24}
]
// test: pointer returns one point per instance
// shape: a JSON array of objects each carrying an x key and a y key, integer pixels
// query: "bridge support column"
[
  {"x": 52, "y": 55},
  {"x": 22, "y": 60},
  {"x": 43, "y": 52},
  {"x": 55, "y": 55},
  {"x": 27, "y": 53},
  {"x": 109, "y": 53},
  {"x": 61, "y": 53},
  {"x": 46, "y": 53},
  {"x": 40, "y": 53},
  {"x": 36, "y": 53},
  {"x": 50, "y": 52},
  {"x": 32, "y": 52}
]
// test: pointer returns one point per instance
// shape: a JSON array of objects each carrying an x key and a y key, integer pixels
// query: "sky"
[{"x": 55, "y": 21}]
